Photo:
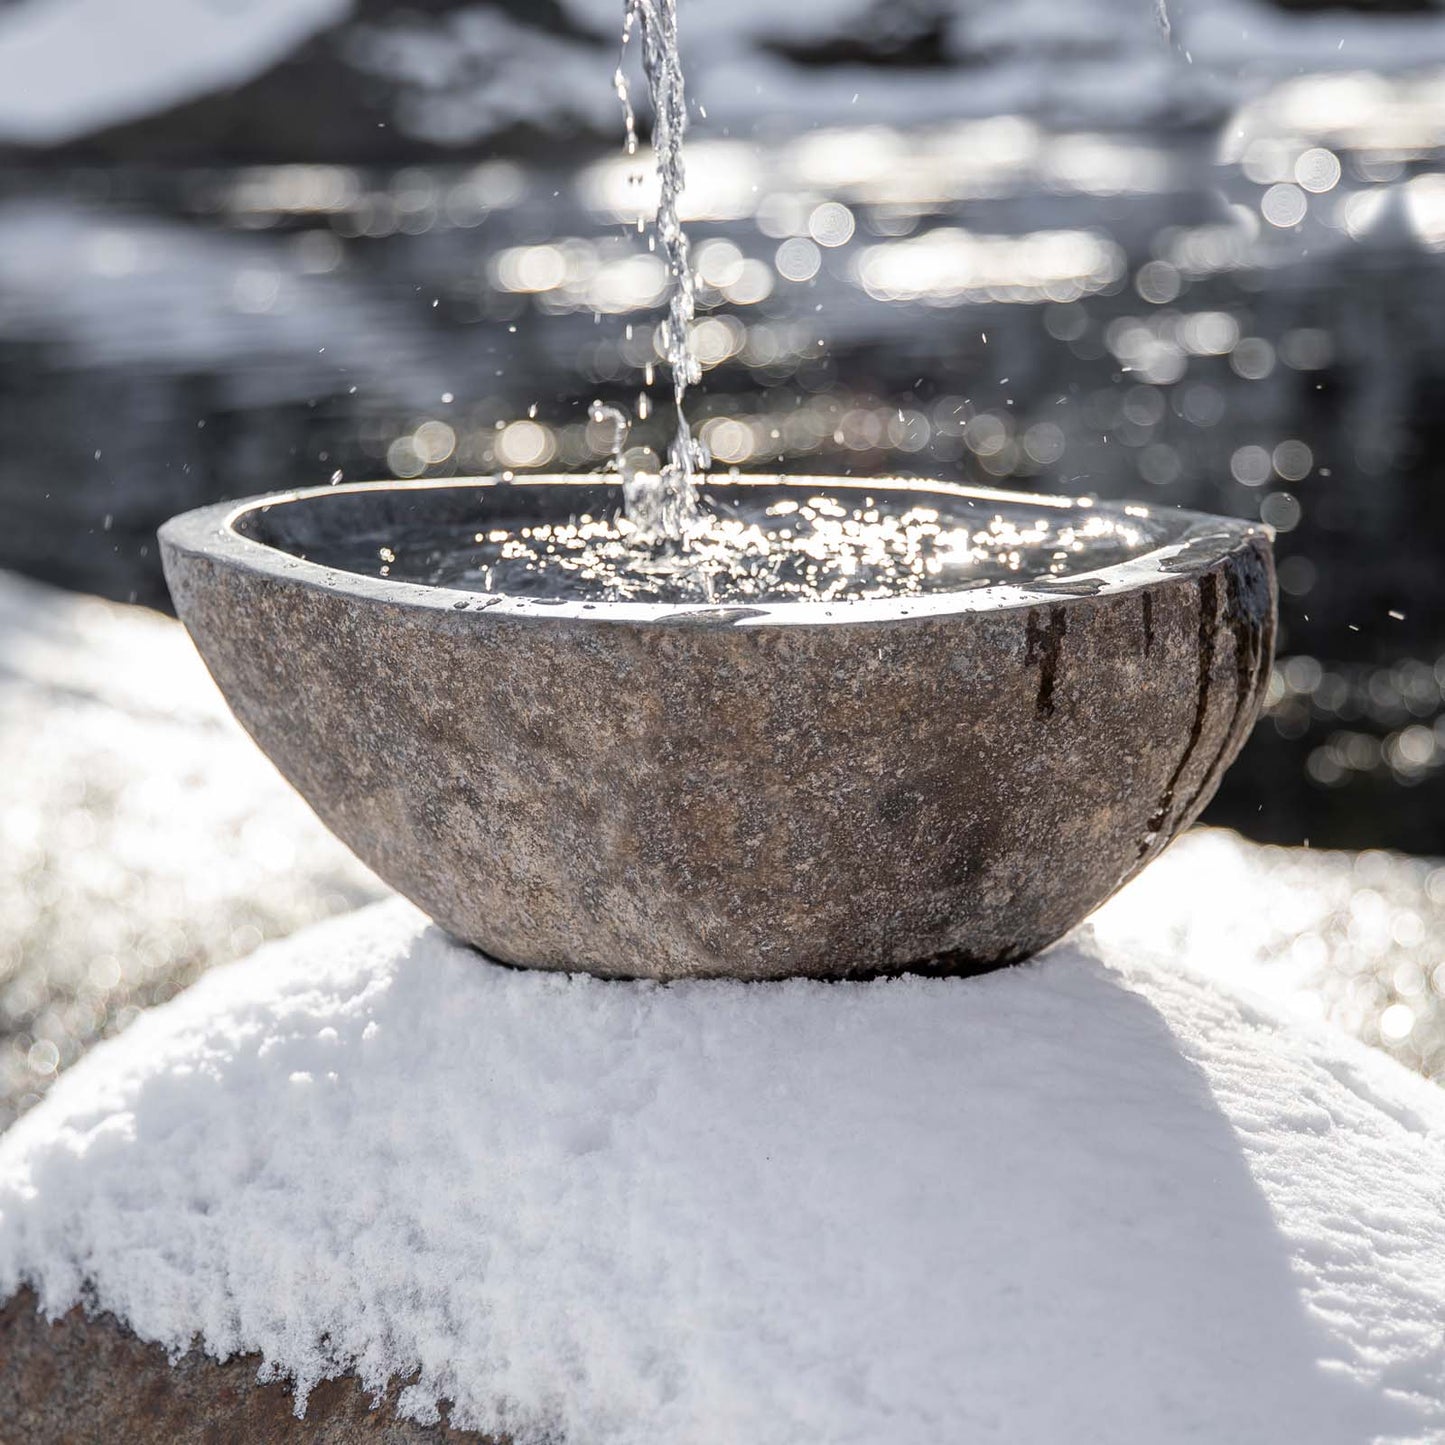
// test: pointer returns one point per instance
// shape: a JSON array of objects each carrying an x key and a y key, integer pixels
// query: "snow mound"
[
  {"x": 1349, "y": 937},
  {"x": 1075, "y": 1200},
  {"x": 77, "y": 65},
  {"x": 143, "y": 836}
]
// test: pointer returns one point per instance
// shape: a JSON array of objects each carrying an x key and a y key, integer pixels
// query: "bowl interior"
[{"x": 445, "y": 534}]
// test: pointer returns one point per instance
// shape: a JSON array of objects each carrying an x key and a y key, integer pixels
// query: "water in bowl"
[{"x": 815, "y": 548}]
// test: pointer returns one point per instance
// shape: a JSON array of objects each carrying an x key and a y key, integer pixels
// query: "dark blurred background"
[{"x": 1070, "y": 245}]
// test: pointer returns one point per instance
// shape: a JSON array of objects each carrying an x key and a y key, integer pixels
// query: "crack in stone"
[
  {"x": 1208, "y": 615},
  {"x": 1043, "y": 645},
  {"x": 1250, "y": 654}
]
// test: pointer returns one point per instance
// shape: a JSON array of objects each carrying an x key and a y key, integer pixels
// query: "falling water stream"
[
  {"x": 666, "y": 505},
  {"x": 675, "y": 544}
]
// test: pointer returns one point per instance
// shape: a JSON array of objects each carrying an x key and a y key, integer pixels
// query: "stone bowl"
[{"x": 938, "y": 783}]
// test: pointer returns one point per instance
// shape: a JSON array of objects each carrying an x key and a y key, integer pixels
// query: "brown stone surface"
[
  {"x": 948, "y": 784},
  {"x": 86, "y": 1381}
]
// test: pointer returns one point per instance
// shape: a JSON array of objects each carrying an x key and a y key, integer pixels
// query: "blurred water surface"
[{"x": 1245, "y": 318}]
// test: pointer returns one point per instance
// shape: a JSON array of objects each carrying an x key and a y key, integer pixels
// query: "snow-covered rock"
[
  {"x": 143, "y": 836},
  {"x": 1082, "y": 1199}
]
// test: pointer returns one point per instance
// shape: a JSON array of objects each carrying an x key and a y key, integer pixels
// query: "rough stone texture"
[
  {"x": 86, "y": 1381},
  {"x": 946, "y": 784}
]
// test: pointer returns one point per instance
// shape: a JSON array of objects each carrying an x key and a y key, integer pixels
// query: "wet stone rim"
[{"x": 1196, "y": 542}]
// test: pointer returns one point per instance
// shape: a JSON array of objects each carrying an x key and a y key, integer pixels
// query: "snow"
[
  {"x": 143, "y": 836},
  {"x": 1086, "y": 1199},
  {"x": 1352, "y": 937},
  {"x": 93, "y": 63}
]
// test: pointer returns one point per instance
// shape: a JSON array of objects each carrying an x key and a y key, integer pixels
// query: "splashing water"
[
  {"x": 600, "y": 412},
  {"x": 665, "y": 506},
  {"x": 807, "y": 547},
  {"x": 638, "y": 492}
]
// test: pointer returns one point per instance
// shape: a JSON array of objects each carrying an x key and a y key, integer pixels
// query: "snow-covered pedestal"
[{"x": 1071, "y": 1201}]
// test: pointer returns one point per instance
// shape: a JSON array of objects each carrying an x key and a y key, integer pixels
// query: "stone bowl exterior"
[{"x": 944, "y": 783}]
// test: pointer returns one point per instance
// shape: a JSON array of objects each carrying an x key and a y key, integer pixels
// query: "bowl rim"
[{"x": 1202, "y": 542}]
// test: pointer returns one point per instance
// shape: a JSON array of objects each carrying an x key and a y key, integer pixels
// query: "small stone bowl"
[{"x": 940, "y": 783}]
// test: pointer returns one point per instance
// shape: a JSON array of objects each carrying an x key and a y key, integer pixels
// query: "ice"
[{"x": 1082, "y": 1199}]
